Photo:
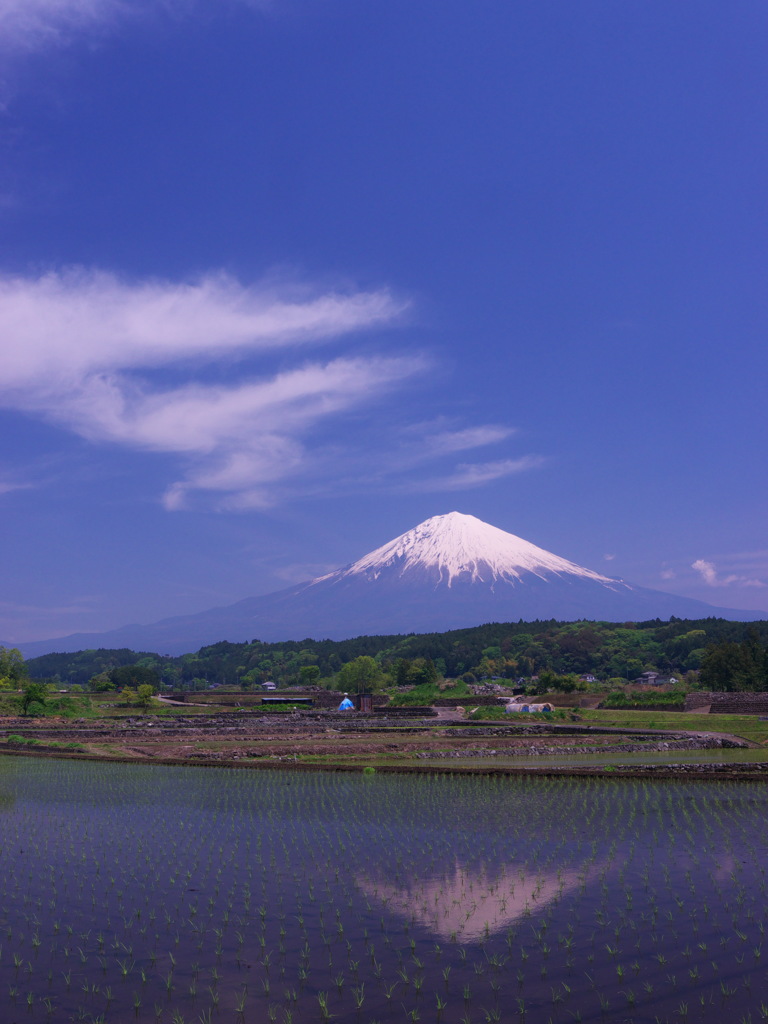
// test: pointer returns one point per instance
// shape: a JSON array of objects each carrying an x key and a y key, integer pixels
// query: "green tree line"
[{"x": 727, "y": 653}]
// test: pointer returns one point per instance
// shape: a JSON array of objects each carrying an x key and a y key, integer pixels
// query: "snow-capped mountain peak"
[
  {"x": 461, "y": 547},
  {"x": 450, "y": 572}
]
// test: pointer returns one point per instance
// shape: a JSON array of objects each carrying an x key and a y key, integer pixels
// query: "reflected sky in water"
[{"x": 185, "y": 888}]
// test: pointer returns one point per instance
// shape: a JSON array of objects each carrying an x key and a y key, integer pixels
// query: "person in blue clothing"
[{"x": 346, "y": 704}]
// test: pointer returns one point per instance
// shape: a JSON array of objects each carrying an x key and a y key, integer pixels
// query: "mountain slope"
[
  {"x": 462, "y": 548},
  {"x": 449, "y": 572}
]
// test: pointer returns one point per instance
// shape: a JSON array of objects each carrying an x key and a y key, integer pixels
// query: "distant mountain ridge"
[{"x": 449, "y": 572}]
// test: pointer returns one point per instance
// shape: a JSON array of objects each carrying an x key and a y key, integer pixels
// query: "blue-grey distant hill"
[{"x": 450, "y": 572}]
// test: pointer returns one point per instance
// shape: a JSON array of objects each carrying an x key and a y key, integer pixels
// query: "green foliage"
[
  {"x": 276, "y": 709},
  {"x": 135, "y": 675},
  {"x": 549, "y": 682},
  {"x": 79, "y": 667},
  {"x": 503, "y": 650},
  {"x": 140, "y": 697},
  {"x": 309, "y": 674},
  {"x": 144, "y": 694},
  {"x": 13, "y": 670},
  {"x": 416, "y": 672},
  {"x": 736, "y": 666},
  {"x": 362, "y": 675},
  {"x": 69, "y": 707},
  {"x": 9, "y": 705},
  {"x": 27, "y": 741},
  {"x": 426, "y": 693},
  {"x": 422, "y": 672},
  {"x": 644, "y": 700},
  {"x": 101, "y": 683},
  {"x": 33, "y": 698}
]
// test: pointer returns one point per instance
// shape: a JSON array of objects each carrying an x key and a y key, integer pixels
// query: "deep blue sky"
[{"x": 280, "y": 280}]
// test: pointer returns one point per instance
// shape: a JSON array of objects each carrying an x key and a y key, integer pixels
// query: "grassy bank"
[{"x": 748, "y": 727}]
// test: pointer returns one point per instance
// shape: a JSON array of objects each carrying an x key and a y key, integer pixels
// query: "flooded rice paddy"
[
  {"x": 184, "y": 895},
  {"x": 638, "y": 758}
]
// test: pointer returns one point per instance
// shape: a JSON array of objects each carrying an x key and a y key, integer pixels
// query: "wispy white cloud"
[
  {"x": 83, "y": 350},
  {"x": 199, "y": 418},
  {"x": 28, "y": 25},
  {"x": 11, "y": 480},
  {"x": 68, "y": 325},
  {"x": 746, "y": 561},
  {"x": 31, "y": 24},
  {"x": 713, "y": 578},
  {"x": 7, "y": 486},
  {"x": 448, "y": 441},
  {"x": 260, "y": 429},
  {"x": 184, "y": 368},
  {"x": 469, "y": 475},
  {"x": 417, "y": 458}
]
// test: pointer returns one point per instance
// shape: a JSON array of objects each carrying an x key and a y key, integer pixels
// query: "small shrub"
[{"x": 641, "y": 701}]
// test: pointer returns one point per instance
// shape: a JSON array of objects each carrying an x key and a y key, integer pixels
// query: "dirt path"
[
  {"x": 449, "y": 714},
  {"x": 179, "y": 703}
]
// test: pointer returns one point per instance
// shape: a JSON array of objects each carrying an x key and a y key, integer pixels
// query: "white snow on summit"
[{"x": 456, "y": 545}]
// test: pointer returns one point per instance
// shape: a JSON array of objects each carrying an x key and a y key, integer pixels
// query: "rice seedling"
[{"x": 255, "y": 882}]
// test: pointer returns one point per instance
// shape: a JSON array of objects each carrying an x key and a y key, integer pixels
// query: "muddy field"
[{"x": 334, "y": 740}]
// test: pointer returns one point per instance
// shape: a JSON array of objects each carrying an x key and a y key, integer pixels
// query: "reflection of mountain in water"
[{"x": 467, "y": 904}]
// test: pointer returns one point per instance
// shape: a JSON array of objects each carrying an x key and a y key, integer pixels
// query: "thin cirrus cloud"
[
  {"x": 83, "y": 350},
  {"x": 260, "y": 429},
  {"x": 28, "y": 25},
  {"x": 32, "y": 24},
  {"x": 132, "y": 363},
  {"x": 447, "y": 441},
  {"x": 7, "y": 486},
  {"x": 428, "y": 442},
  {"x": 200, "y": 419},
  {"x": 66, "y": 325},
  {"x": 468, "y": 475}
]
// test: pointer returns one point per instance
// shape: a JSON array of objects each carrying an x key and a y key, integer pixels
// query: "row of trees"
[
  {"x": 504, "y": 650},
  {"x": 38, "y": 697},
  {"x": 735, "y": 666}
]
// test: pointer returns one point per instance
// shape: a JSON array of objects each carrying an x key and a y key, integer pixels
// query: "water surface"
[{"x": 184, "y": 895}]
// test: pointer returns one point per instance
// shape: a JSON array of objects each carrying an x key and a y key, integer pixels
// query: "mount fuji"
[{"x": 450, "y": 572}]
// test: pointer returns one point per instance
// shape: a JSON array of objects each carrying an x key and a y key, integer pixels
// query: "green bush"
[
  {"x": 427, "y": 693},
  {"x": 640, "y": 701}
]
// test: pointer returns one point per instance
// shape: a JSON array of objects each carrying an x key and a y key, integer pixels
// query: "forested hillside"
[{"x": 722, "y": 649}]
